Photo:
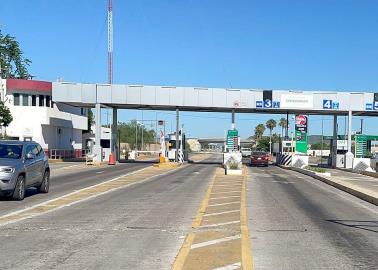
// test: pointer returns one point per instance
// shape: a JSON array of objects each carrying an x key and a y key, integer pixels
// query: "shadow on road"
[{"x": 367, "y": 225}]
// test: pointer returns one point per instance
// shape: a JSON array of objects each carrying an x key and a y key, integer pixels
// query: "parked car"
[
  {"x": 259, "y": 158},
  {"x": 23, "y": 165},
  {"x": 246, "y": 152}
]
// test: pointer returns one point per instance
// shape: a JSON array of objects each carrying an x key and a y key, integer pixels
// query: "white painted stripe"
[
  {"x": 216, "y": 241},
  {"x": 219, "y": 204},
  {"x": 229, "y": 267},
  {"x": 220, "y": 224},
  {"x": 80, "y": 200},
  {"x": 216, "y": 198},
  {"x": 221, "y": 213},
  {"x": 100, "y": 172},
  {"x": 225, "y": 192}
]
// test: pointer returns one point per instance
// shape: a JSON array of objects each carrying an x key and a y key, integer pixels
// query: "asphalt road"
[
  {"x": 66, "y": 178},
  {"x": 138, "y": 227},
  {"x": 298, "y": 222}
]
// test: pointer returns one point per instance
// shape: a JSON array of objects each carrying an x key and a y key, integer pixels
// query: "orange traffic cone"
[{"x": 111, "y": 159}]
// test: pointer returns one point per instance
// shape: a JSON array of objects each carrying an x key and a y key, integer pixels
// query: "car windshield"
[{"x": 13, "y": 151}]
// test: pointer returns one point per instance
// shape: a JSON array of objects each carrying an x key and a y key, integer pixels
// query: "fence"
[{"x": 66, "y": 154}]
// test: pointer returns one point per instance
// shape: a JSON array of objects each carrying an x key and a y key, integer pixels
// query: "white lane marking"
[
  {"x": 216, "y": 241},
  {"x": 227, "y": 185},
  {"x": 219, "y": 204},
  {"x": 81, "y": 200},
  {"x": 224, "y": 192},
  {"x": 216, "y": 198},
  {"x": 229, "y": 267},
  {"x": 67, "y": 167},
  {"x": 336, "y": 191},
  {"x": 221, "y": 213},
  {"x": 99, "y": 172},
  {"x": 220, "y": 224}
]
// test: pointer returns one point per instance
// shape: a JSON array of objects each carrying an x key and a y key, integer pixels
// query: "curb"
[
  {"x": 354, "y": 192},
  {"x": 371, "y": 174}
]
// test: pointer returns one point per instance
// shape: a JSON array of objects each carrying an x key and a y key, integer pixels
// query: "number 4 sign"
[{"x": 327, "y": 104}]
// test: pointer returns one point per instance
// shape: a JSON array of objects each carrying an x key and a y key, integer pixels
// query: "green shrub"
[{"x": 315, "y": 169}]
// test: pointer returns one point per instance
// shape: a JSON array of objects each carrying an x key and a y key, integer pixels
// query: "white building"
[{"x": 37, "y": 117}]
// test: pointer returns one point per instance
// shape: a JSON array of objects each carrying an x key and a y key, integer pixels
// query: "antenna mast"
[{"x": 110, "y": 42}]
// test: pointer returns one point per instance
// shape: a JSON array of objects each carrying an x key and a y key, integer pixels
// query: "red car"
[{"x": 259, "y": 158}]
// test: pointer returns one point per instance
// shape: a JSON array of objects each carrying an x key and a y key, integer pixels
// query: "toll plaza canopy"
[{"x": 215, "y": 99}]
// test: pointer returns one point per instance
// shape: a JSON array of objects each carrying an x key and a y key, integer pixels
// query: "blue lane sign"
[
  {"x": 335, "y": 105},
  {"x": 369, "y": 106},
  {"x": 327, "y": 104},
  {"x": 267, "y": 103},
  {"x": 259, "y": 104},
  {"x": 276, "y": 104},
  {"x": 375, "y": 105}
]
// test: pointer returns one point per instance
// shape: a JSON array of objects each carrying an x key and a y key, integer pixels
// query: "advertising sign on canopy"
[{"x": 301, "y": 134}]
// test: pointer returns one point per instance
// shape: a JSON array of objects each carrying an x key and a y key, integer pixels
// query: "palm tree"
[
  {"x": 270, "y": 124},
  {"x": 283, "y": 125},
  {"x": 259, "y": 131}
]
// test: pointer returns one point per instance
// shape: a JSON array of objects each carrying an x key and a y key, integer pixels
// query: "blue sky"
[{"x": 308, "y": 45}]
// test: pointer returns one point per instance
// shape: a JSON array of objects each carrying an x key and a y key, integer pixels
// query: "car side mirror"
[{"x": 29, "y": 156}]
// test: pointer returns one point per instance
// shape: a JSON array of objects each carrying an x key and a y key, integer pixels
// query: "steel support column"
[
  {"x": 334, "y": 142},
  {"x": 350, "y": 132},
  {"x": 114, "y": 137},
  {"x": 233, "y": 119},
  {"x": 97, "y": 150}
]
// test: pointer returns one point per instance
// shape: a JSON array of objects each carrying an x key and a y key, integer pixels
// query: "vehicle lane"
[
  {"x": 138, "y": 227},
  {"x": 66, "y": 181},
  {"x": 298, "y": 222}
]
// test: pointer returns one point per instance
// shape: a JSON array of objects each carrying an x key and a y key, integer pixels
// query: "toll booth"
[{"x": 171, "y": 149}]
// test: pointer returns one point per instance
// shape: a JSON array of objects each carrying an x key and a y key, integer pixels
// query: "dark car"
[
  {"x": 259, "y": 158},
  {"x": 22, "y": 165}
]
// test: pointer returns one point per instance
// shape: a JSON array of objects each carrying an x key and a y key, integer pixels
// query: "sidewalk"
[{"x": 361, "y": 186}]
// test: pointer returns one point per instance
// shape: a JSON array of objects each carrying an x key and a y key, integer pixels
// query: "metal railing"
[{"x": 66, "y": 154}]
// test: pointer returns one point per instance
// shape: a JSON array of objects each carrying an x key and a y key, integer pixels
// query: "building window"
[
  {"x": 16, "y": 99},
  {"x": 34, "y": 100},
  {"x": 25, "y": 100},
  {"x": 41, "y": 101},
  {"x": 48, "y": 99}
]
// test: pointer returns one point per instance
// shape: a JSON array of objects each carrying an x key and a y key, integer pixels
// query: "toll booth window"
[
  {"x": 41, "y": 101},
  {"x": 48, "y": 100},
  {"x": 25, "y": 100},
  {"x": 105, "y": 143},
  {"x": 34, "y": 100},
  {"x": 16, "y": 99}
]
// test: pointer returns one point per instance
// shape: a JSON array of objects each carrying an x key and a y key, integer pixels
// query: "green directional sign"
[{"x": 232, "y": 139}]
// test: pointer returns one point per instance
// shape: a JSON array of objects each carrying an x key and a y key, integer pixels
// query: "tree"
[
  {"x": 90, "y": 120},
  {"x": 270, "y": 124},
  {"x": 283, "y": 125},
  {"x": 132, "y": 131},
  {"x": 318, "y": 146},
  {"x": 259, "y": 131},
  {"x": 12, "y": 62},
  {"x": 5, "y": 117}
]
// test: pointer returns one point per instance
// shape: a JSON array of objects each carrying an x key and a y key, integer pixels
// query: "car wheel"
[
  {"x": 19, "y": 190},
  {"x": 45, "y": 185}
]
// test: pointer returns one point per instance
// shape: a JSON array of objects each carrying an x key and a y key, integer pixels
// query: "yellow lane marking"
[
  {"x": 185, "y": 249},
  {"x": 220, "y": 236},
  {"x": 247, "y": 261},
  {"x": 85, "y": 194}
]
